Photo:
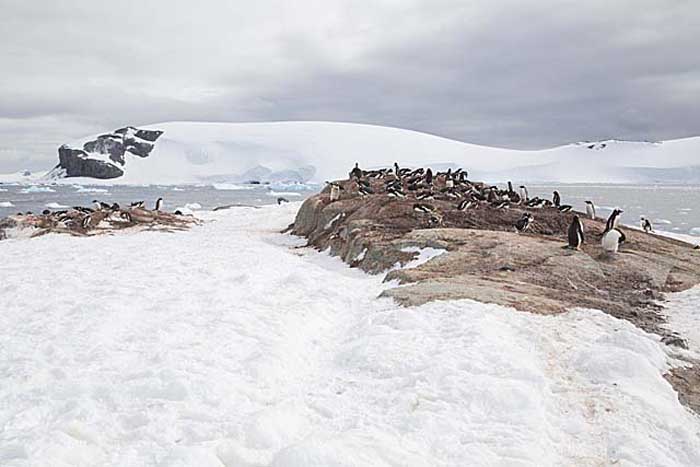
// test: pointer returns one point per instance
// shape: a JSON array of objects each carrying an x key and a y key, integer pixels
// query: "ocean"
[{"x": 674, "y": 209}]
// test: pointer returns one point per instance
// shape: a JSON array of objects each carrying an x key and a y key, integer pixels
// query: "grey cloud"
[{"x": 518, "y": 74}]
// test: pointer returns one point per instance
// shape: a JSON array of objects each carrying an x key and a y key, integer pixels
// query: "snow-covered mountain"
[{"x": 200, "y": 152}]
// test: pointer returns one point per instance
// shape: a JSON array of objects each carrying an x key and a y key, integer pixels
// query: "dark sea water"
[
  {"x": 671, "y": 208},
  {"x": 36, "y": 198}
]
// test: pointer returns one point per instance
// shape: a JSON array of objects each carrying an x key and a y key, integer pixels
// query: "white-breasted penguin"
[
  {"x": 590, "y": 209},
  {"x": 335, "y": 192},
  {"x": 556, "y": 198},
  {"x": 612, "y": 240},
  {"x": 575, "y": 234},
  {"x": 613, "y": 220},
  {"x": 646, "y": 224},
  {"x": 524, "y": 196},
  {"x": 522, "y": 224},
  {"x": 159, "y": 204}
]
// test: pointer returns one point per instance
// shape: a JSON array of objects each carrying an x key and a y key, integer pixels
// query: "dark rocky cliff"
[{"x": 105, "y": 156}]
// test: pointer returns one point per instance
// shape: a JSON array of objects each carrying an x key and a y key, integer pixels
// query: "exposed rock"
[
  {"x": 76, "y": 163},
  {"x": 89, "y": 162},
  {"x": 686, "y": 381},
  {"x": 488, "y": 261}
]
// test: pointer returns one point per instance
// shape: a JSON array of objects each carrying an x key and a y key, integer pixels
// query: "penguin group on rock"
[{"x": 422, "y": 185}]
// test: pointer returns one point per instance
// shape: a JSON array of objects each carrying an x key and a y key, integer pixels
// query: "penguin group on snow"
[{"x": 423, "y": 185}]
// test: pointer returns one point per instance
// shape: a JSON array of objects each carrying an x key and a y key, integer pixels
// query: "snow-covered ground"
[
  {"x": 205, "y": 152},
  {"x": 229, "y": 346}
]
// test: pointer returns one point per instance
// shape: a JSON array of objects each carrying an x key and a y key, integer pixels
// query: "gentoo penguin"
[
  {"x": 565, "y": 208},
  {"x": 139, "y": 204},
  {"x": 279, "y": 201},
  {"x": 423, "y": 208},
  {"x": 429, "y": 176},
  {"x": 524, "y": 222},
  {"x": 576, "y": 236},
  {"x": 396, "y": 168},
  {"x": 523, "y": 194},
  {"x": 646, "y": 224},
  {"x": 99, "y": 205},
  {"x": 364, "y": 190},
  {"x": 396, "y": 193},
  {"x": 356, "y": 172},
  {"x": 159, "y": 204},
  {"x": 590, "y": 209},
  {"x": 613, "y": 220},
  {"x": 335, "y": 192},
  {"x": 556, "y": 199},
  {"x": 612, "y": 240},
  {"x": 465, "y": 204}
]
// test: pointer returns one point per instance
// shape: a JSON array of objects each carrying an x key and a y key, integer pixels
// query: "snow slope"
[
  {"x": 195, "y": 152},
  {"x": 223, "y": 346}
]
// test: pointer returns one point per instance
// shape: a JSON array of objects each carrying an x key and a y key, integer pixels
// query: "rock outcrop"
[
  {"x": 105, "y": 156},
  {"x": 486, "y": 260}
]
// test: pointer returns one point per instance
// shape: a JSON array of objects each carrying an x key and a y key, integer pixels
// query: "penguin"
[
  {"x": 364, "y": 191},
  {"x": 576, "y": 237},
  {"x": 449, "y": 182},
  {"x": 425, "y": 196},
  {"x": 646, "y": 225},
  {"x": 590, "y": 209},
  {"x": 159, "y": 204},
  {"x": 335, "y": 192},
  {"x": 396, "y": 168},
  {"x": 139, "y": 204},
  {"x": 564, "y": 208},
  {"x": 556, "y": 199},
  {"x": 524, "y": 222},
  {"x": 612, "y": 239},
  {"x": 356, "y": 172},
  {"x": 396, "y": 193},
  {"x": 280, "y": 201},
  {"x": 429, "y": 176},
  {"x": 524, "y": 194},
  {"x": 423, "y": 208},
  {"x": 99, "y": 205},
  {"x": 613, "y": 220},
  {"x": 465, "y": 204}
]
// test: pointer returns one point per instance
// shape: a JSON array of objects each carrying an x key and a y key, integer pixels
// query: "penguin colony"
[
  {"x": 82, "y": 220},
  {"x": 423, "y": 188}
]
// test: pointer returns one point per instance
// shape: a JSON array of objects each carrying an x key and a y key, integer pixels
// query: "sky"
[{"x": 507, "y": 73}]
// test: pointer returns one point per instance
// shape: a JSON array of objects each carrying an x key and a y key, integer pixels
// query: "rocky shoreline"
[{"x": 486, "y": 260}]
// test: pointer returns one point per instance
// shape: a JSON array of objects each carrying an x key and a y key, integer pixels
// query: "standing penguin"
[
  {"x": 612, "y": 240},
  {"x": 522, "y": 224},
  {"x": 576, "y": 237},
  {"x": 356, "y": 172},
  {"x": 613, "y": 220},
  {"x": 335, "y": 192},
  {"x": 159, "y": 204},
  {"x": 646, "y": 225},
  {"x": 524, "y": 194},
  {"x": 429, "y": 176},
  {"x": 590, "y": 209},
  {"x": 556, "y": 199}
]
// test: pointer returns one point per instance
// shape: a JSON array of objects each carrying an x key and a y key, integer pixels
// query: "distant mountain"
[{"x": 200, "y": 152}]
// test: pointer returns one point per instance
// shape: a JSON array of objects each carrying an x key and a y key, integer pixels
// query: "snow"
[
  {"x": 55, "y": 206},
  {"x": 231, "y": 186},
  {"x": 229, "y": 346},
  {"x": 38, "y": 189},
  {"x": 424, "y": 255},
  {"x": 90, "y": 189},
  {"x": 6, "y": 204},
  {"x": 204, "y": 152}
]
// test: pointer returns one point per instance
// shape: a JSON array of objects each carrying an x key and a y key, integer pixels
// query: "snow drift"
[{"x": 200, "y": 152}]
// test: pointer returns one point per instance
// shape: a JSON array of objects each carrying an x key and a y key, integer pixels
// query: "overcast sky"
[{"x": 525, "y": 74}]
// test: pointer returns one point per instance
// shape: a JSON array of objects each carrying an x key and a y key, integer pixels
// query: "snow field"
[{"x": 230, "y": 346}]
